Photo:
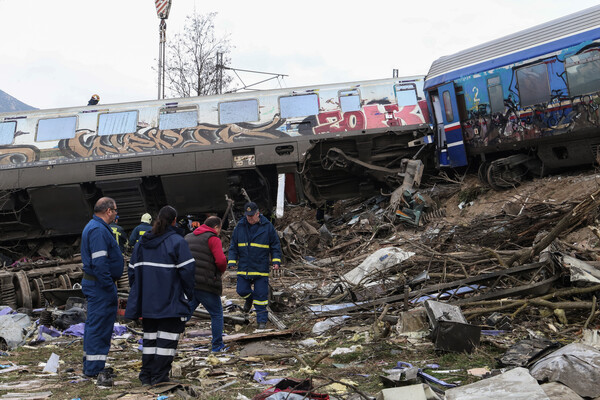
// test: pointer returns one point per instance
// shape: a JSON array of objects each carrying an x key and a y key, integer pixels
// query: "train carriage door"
[{"x": 451, "y": 148}]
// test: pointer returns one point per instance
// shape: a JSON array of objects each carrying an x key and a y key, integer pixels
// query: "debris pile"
[{"x": 454, "y": 293}]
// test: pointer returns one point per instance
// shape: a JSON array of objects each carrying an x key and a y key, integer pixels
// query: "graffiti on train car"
[
  {"x": 561, "y": 114},
  {"x": 370, "y": 117},
  {"x": 87, "y": 144},
  {"x": 11, "y": 154}
]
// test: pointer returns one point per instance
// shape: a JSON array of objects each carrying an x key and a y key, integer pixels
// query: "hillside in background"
[{"x": 9, "y": 103}]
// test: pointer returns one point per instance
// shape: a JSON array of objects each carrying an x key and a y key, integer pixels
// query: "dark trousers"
[
  {"x": 212, "y": 304},
  {"x": 159, "y": 344},
  {"x": 259, "y": 296},
  {"x": 101, "y": 316}
]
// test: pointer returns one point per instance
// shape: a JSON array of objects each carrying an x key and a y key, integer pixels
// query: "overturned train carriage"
[
  {"x": 330, "y": 141},
  {"x": 527, "y": 102}
]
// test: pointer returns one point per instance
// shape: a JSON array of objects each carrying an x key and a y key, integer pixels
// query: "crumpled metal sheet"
[
  {"x": 377, "y": 263},
  {"x": 524, "y": 351},
  {"x": 515, "y": 384},
  {"x": 576, "y": 365},
  {"x": 580, "y": 271}
]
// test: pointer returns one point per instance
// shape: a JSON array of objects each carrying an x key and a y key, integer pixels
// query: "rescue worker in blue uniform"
[
  {"x": 119, "y": 234},
  {"x": 161, "y": 277},
  {"x": 141, "y": 229},
  {"x": 102, "y": 265},
  {"x": 254, "y": 247}
]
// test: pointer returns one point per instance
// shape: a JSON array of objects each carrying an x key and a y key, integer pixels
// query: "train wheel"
[
  {"x": 502, "y": 177},
  {"x": 22, "y": 289},
  {"x": 482, "y": 173},
  {"x": 64, "y": 281},
  {"x": 37, "y": 295}
]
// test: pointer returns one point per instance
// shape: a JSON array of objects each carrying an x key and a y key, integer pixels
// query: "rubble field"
[{"x": 453, "y": 291}]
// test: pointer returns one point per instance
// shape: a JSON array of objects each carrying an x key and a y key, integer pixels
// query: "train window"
[
  {"x": 583, "y": 73},
  {"x": 174, "y": 119},
  {"x": 7, "y": 132},
  {"x": 299, "y": 106},
  {"x": 448, "y": 106},
  {"x": 233, "y": 112},
  {"x": 56, "y": 128},
  {"x": 349, "y": 100},
  {"x": 496, "y": 94},
  {"x": 406, "y": 94},
  {"x": 534, "y": 87},
  {"x": 117, "y": 123}
]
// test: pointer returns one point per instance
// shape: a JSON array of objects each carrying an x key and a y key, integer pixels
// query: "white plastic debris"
[
  {"x": 309, "y": 342},
  {"x": 52, "y": 364},
  {"x": 321, "y": 327},
  {"x": 576, "y": 365},
  {"x": 515, "y": 384},
  {"x": 413, "y": 392},
  {"x": 12, "y": 327},
  {"x": 591, "y": 337},
  {"x": 346, "y": 350},
  {"x": 376, "y": 263}
]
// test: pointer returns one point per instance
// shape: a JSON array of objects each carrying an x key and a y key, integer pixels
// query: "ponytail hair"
[{"x": 166, "y": 216}]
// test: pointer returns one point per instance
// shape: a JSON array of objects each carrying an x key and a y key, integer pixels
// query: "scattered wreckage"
[{"x": 368, "y": 276}]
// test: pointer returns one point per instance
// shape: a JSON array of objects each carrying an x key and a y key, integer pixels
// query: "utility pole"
[
  {"x": 162, "y": 10},
  {"x": 219, "y": 73}
]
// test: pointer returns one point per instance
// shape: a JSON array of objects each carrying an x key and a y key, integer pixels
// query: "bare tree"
[{"x": 191, "y": 67}]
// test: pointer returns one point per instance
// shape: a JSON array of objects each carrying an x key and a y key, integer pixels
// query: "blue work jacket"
[
  {"x": 100, "y": 253},
  {"x": 161, "y": 277},
  {"x": 138, "y": 232},
  {"x": 254, "y": 249}
]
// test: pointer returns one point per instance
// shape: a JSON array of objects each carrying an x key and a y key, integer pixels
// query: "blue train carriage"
[
  {"x": 527, "y": 102},
  {"x": 345, "y": 139}
]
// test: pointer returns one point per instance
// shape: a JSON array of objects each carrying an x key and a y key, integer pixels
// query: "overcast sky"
[{"x": 58, "y": 53}]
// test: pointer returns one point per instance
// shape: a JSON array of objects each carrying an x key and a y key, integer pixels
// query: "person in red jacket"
[{"x": 207, "y": 250}]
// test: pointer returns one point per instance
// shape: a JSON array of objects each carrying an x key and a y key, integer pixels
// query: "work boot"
[
  {"x": 247, "y": 305},
  {"x": 105, "y": 377},
  {"x": 262, "y": 325}
]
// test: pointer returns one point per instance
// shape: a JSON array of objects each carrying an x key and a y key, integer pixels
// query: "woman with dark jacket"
[{"x": 161, "y": 277}]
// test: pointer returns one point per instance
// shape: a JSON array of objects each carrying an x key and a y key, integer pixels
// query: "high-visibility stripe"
[
  {"x": 168, "y": 335},
  {"x": 95, "y": 357},
  {"x": 242, "y": 244},
  {"x": 253, "y": 273},
  {"x": 165, "y": 352},
  {"x": 101, "y": 253},
  {"x": 191, "y": 260},
  {"x": 232, "y": 262},
  {"x": 150, "y": 335},
  {"x": 276, "y": 260},
  {"x": 159, "y": 351},
  {"x": 246, "y": 296},
  {"x": 262, "y": 246},
  {"x": 261, "y": 303},
  {"x": 160, "y": 265}
]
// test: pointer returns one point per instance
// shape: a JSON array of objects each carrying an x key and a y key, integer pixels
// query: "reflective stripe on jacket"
[
  {"x": 254, "y": 249},
  {"x": 100, "y": 253},
  {"x": 161, "y": 277}
]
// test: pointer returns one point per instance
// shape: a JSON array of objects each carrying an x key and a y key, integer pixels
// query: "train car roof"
[
  {"x": 224, "y": 96},
  {"x": 538, "y": 40}
]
